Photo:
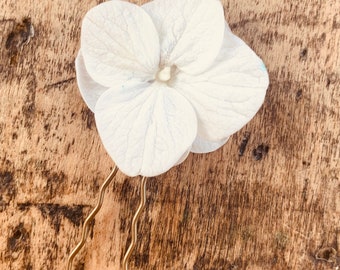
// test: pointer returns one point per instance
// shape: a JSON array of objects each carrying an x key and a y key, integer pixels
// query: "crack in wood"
[
  {"x": 60, "y": 83},
  {"x": 7, "y": 20}
]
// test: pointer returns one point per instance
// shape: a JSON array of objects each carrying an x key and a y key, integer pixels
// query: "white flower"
[{"x": 165, "y": 79}]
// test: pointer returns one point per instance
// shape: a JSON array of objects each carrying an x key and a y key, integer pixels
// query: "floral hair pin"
[{"x": 164, "y": 79}]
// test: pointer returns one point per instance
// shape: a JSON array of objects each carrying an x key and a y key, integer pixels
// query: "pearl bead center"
[{"x": 164, "y": 74}]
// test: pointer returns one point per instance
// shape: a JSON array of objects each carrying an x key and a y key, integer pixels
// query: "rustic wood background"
[{"x": 275, "y": 209}]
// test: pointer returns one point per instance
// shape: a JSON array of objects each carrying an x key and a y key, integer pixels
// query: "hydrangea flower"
[{"x": 165, "y": 79}]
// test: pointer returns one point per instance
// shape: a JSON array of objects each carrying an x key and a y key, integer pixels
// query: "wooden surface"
[{"x": 215, "y": 211}]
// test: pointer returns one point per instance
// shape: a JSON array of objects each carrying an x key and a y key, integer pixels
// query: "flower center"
[{"x": 164, "y": 74}]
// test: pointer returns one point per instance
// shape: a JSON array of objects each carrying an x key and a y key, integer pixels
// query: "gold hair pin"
[
  {"x": 164, "y": 79},
  {"x": 94, "y": 212}
]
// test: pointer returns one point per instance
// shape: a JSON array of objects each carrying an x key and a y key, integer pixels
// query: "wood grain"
[{"x": 215, "y": 211}]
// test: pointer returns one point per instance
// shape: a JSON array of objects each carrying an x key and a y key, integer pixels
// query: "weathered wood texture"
[{"x": 215, "y": 211}]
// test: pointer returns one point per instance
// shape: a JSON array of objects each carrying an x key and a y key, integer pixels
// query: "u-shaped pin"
[{"x": 89, "y": 219}]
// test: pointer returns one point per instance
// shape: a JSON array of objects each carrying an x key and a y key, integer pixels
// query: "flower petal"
[
  {"x": 201, "y": 146},
  {"x": 119, "y": 42},
  {"x": 230, "y": 93},
  {"x": 183, "y": 157},
  {"x": 89, "y": 89},
  {"x": 146, "y": 130},
  {"x": 191, "y": 32}
]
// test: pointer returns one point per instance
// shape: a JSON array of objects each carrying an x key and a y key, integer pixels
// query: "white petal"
[
  {"x": 147, "y": 129},
  {"x": 183, "y": 157},
  {"x": 230, "y": 93},
  {"x": 89, "y": 89},
  {"x": 191, "y": 32},
  {"x": 119, "y": 42},
  {"x": 201, "y": 145}
]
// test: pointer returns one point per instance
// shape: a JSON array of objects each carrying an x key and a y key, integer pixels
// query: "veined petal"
[
  {"x": 146, "y": 130},
  {"x": 230, "y": 93},
  {"x": 119, "y": 42},
  {"x": 191, "y": 32},
  {"x": 201, "y": 145},
  {"x": 89, "y": 89}
]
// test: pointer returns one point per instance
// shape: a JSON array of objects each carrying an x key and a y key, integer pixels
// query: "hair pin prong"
[
  {"x": 89, "y": 219},
  {"x": 134, "y": 223}
]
